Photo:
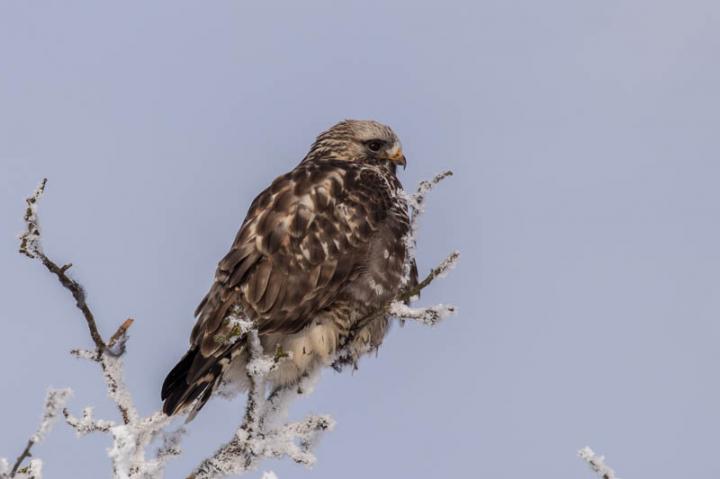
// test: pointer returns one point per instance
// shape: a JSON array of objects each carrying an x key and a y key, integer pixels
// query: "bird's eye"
[{"x": 375, "y": 145}]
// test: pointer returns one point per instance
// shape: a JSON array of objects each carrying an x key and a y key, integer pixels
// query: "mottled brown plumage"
[{"x": 320, "y": 249}]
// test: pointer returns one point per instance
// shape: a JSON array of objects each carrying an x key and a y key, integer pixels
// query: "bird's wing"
[{"x": 303, "y": 239}]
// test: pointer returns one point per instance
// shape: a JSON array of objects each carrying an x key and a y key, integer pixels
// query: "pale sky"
[{"x": 585, "y": 140}]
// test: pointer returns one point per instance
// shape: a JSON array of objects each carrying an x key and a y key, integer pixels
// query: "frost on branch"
[
  {"x": 597, "y": 463},
  {"x": 429, "y": 316},
  {"x": 54, "y": 403},
  {"x": 30, "y": 240},
  {"x": 132, "y": 434},
  {"x": 87, "y": 423},
  {"x": 262, "y": 434},
  {"x": 264, "y": 431}
]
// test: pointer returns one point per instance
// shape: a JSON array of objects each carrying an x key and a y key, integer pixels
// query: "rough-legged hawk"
[{"x": 320, "y": 252}]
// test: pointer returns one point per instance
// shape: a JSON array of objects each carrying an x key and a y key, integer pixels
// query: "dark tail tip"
[
  {"x": 176, "y": 385},
  {"x": 192, "y": 380}
]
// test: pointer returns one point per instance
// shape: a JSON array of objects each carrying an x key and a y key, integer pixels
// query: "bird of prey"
[{"x": 321, "y": 251}]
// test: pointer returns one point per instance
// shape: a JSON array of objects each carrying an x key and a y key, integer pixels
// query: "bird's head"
[{"x": 361, "y": 141}]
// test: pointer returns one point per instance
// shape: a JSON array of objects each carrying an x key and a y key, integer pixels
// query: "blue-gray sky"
[{"x": 584, "y": 137}]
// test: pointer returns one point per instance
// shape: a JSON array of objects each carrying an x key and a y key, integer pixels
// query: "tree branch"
[
  {"x": 105, "y": 354},
  {"x": 31, "y": 246},
  {"x": 25, "y": 454},
  {"x": 258, "y": 437},
  {"x": 54, "y": 403},
  {"x": 597, "y": 463},
  {"x": 437, "y": 272}
]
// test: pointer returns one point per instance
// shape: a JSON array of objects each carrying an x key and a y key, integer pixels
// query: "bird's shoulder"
[{"x": 331, "y": 190}]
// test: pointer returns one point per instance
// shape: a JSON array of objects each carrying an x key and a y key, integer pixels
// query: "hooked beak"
[{"x": 396, "y": 155}]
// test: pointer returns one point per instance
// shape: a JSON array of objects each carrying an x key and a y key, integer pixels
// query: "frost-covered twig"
[
  {"x": 31, "y": 246},
  {"x": 429, "y": 316},
  {"x": 87, "y": 423},
  {"x": 416, "y": 203},
  {"x": 597, "y": 463},
  {"x": 410, "y": 292},
  {"x": 259, "y": 436},
  {"x": 106, "y": 354},
  {"x": 437, "y": 272},
  {"x": 54, "y": 403},
  {"x": 133, "y": 436}
]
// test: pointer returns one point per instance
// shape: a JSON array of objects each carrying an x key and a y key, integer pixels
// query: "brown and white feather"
[{"x": 321, "y": 248}]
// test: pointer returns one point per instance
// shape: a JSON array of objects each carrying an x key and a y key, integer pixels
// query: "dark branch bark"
[
  {"x": 31, "y": 247},
  {"x": 78, "y": 294},
  {"x": 25, "y": 454}
]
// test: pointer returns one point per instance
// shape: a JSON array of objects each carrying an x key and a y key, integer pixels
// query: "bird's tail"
[{"x": 191, "y": 382}]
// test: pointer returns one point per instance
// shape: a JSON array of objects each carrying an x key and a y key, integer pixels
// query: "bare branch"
[
  {"x": 438, "y": 272},
  {"x": 25, "y": 454},
  {"x": 31, "y": 246},
  {"x": 105, "y": 354},
  {"x": 116, "y": 345}
]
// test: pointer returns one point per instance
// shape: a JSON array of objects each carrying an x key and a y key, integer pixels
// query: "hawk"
[{"x": 321, "y": 251}]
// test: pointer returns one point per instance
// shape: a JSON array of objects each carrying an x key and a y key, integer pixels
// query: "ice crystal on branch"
[
  {"x": 30, "y": 244},
  {"x": 429, "y": 316},
  {"x": 54, "y": 403},
  {"x": 597, "y": 463}
]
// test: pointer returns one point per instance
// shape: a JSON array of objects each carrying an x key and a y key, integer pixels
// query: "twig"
[
  {"x": 597, "y": 463},
  {"x": 54, "y": 402},
  {"x": 105, "y": 353},
  {"x": 116, "y": 345},
  {"x": 132, "y": 437},
  {"x": 426, "y": 185},
  {"x": 25, "y": 454},
  {"x": 438, "y": 272},
  {"x": 31, "y": 247}
]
